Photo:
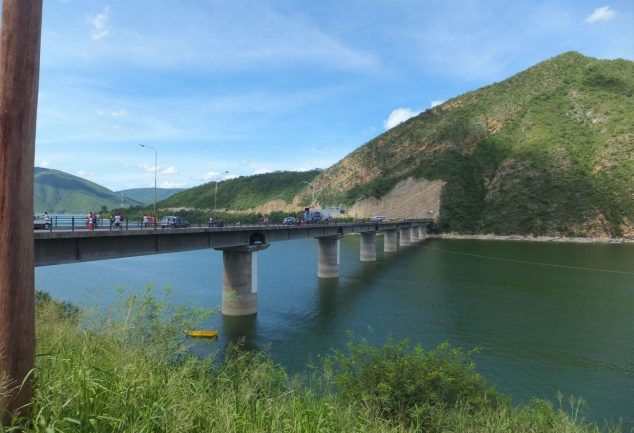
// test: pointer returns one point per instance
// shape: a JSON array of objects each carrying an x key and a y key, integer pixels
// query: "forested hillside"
[
  {"x": 547, "y": 151},
  {"x": 244, "y": 192}
]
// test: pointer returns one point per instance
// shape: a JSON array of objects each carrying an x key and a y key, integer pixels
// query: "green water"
[{"x": 546, "y": 317}]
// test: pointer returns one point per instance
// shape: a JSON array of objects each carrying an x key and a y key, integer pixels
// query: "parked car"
[
  {"x": 290, "y": 221},
  {"x": 378, "y": 218},
  {"x": 41, "y": 223},
  {"x": 174, "y": 222},
  {"x": 215, "y": 222}
]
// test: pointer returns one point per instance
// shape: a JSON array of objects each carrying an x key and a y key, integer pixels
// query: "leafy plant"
[{"x": 408, "y": 383}]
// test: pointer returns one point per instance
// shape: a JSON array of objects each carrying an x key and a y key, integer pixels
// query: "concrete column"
[
  {"x": 240, "y": 283},
  {"x": 328, "y": 257},
  {"x": 404, "y": 236},
  {"x": 422, "y": 232},
  {"x": 389, "y": 241},
  {"x": 414, "y": 234},
  {"x": 368, "y": 247}
]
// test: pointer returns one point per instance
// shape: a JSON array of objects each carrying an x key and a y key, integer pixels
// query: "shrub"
[{"x": 408, "y": 384}]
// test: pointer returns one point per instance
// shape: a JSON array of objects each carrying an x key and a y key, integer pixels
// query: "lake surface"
[{"x": 547, "y": 317}]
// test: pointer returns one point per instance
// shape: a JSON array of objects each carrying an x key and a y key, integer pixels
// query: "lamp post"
[
  {"x": 155, "y": 169},
  {"x": 216, "y": 191},
  {"x": 312, "y": 190}
]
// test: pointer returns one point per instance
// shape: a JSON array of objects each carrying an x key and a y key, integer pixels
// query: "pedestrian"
[
  {"x": 117, "y": 221},
  {"x": 145, "y": 220}
]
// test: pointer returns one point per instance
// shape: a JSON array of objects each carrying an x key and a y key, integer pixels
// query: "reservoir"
[{"x": 546, "y": 317}]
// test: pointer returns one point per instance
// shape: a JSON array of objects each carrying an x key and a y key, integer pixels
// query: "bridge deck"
[{"x": 68, "y": 246}]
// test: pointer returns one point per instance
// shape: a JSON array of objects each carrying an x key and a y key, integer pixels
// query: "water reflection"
[{"x": 241, "y": 330}]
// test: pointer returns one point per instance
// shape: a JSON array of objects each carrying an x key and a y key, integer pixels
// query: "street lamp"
[
  {"x": 155, "y": 169},
  {"x": 312, "y": 190},
  {"x": 216, "y": 192}
]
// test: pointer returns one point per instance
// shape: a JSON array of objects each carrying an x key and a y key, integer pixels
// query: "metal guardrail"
[{"x": 77, "y": 223}]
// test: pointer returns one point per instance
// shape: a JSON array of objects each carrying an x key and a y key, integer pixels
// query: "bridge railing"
[{"x": 81, "y": 223}]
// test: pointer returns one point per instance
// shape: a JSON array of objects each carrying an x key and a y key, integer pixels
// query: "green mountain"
[
  {"x": 547, "y": 151},
  {"x": 146, "y": 195},
  {"x": 244, "y": 192},
  {"x": 57, "y": 192}
]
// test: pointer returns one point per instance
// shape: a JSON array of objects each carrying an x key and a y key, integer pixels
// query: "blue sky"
[{"x": 256, "y": 86}]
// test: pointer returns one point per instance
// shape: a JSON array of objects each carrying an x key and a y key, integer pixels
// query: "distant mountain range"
[
  {"x": 55, "y": 191},
  {"x": 146, "y": 195}
]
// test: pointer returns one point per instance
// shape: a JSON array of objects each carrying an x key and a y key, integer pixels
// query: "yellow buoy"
[{"x": 202, "y": 334}]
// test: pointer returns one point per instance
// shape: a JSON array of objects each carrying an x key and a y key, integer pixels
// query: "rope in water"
[{"x": 552, "y": 265}]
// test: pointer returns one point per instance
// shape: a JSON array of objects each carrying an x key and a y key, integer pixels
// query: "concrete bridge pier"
[
  {"x": 328, "y": 257},
  {"x": 422, "y": 232},
  {"x": 414, "y": 231},
  {"x": 368, "y": 247},
  {"x": 404, "y": 236},
  {"x": 240, "y": 282},
  {"x": 389, "y": 241}
]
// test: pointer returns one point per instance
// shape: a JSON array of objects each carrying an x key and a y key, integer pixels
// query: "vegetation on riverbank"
[{"x": 129, "y": 370}]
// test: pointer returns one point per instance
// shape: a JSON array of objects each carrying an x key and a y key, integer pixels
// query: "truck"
[{"x": 313, "y": 217}]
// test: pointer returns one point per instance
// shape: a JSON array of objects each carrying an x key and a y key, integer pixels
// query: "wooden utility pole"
[{"x": 19, "y": 77}]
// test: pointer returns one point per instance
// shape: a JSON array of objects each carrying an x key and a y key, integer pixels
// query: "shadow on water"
[
  {"x": 241, "y": 330},
  {"x": 327, "y": 297}
]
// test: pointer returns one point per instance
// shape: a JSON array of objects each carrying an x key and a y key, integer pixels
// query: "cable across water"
[{"x": 527, "y": 262}]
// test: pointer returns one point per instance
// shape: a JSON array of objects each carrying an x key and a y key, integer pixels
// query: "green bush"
[{"x": 408, "y": 384}]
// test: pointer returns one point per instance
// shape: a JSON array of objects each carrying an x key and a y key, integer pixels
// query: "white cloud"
[
  {"x": 262, "y": 171},
  {"x": 117, "y": 113},
  {"x": 399, "y": 115},
  {"x": 43, "y": 164},
  {"x": 436, "y": 103},
  {"x": 211, "y": 175},
  {"x": 173, "y": 185},
  {"x": 168, "y": 171},
  {"x": 98, "y": 23},
  {"x": 84, "y": 173},
  {"x": 215, "y": 175},
  {"x": 214, "y": 38},
  {"x": 601, "y": 14},
  {"x": 146, "y": 167}
]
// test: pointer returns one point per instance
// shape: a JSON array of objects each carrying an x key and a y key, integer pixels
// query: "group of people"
[
  {"x": 116, "y": 221},
  {"x": 92, "y": 220},
  {"x": 149, "y": 220}
]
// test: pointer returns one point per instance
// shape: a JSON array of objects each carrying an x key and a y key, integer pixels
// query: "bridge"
[{"x": 239, "y": 245}]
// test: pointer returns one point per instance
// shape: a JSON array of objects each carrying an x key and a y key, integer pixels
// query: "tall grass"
[{"x": 130, "y": 371}]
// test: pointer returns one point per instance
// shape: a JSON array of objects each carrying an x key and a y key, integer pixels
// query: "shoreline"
[{"x": 530, "y": 238}]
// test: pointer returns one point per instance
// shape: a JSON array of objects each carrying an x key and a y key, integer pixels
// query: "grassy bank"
[{"x": 128, "y": 370}]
